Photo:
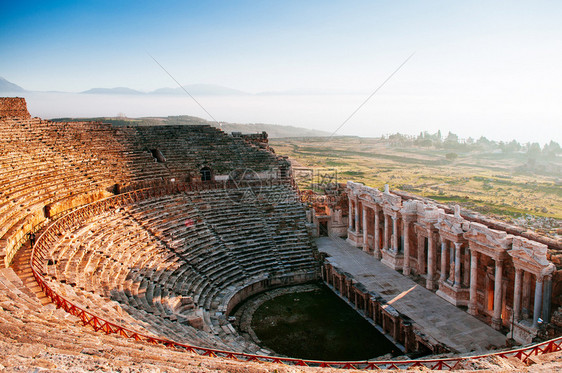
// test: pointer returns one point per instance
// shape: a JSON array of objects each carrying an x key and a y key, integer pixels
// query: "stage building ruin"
[{"x": 510, "y": 281}]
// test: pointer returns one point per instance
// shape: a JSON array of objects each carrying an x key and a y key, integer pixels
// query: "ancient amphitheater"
[{"x": 126, "y": 249}]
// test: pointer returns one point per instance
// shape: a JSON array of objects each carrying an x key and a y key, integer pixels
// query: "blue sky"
[{"x": 488, "y": 58}]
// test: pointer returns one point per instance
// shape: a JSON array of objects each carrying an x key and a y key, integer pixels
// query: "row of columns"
[
  {"x": 358, "y": 224},
  {"x": 521, "y": 292},
  {"x": 453, "y": 252},
  {"x": 451, "y": 257},
  {"x": 391, "y": 229}
]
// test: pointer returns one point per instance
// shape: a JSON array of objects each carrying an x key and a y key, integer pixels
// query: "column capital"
[
  {"x": 540, "y": 278},
  {"x": 409, "y": 218}
]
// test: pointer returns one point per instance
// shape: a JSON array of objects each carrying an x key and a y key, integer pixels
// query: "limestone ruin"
[
  {"x": 161, "y": 231},
  {"x": 507, "y": 280}
]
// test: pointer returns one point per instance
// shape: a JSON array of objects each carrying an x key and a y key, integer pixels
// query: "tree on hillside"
[
  {"x": 451, "y": 141},
  {"x": 424, "y": 139},
  {"x": 510, "y": 147},
  {"x": 551, "y": 149},
  {"x": 533, "y": 149},
  {"x": 483, "y": 141},
  {"x": 451, "y": 137}
]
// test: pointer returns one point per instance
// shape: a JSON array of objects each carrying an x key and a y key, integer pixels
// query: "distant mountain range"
[
  {"x": 274, "y": 130},
  {"x": 113, "y": 91},
  {"x": 6, "y": 86},
  {"x": 200, "y": 89},
  {"x": 193, "y": 89}
]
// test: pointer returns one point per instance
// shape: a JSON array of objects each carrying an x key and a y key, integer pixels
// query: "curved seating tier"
[
  {"x": 43, "y": 338},
  {"x": 47, "y": 167},
  {"x": 168, "y": 265}
]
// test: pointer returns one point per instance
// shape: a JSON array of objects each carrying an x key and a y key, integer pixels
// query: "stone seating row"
[
  {"x": 137, "y": 273},
  {"x": 35, "y": 337},
  {"x": 165, "y": 257},
  {"x": 166, "y": 261}
]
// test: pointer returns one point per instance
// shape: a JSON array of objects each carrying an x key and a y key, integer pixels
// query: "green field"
[{"x": 481, "y": 177}]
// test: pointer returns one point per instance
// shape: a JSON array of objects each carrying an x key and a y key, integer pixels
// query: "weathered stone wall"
[
  {"x": 258, "y": 139},
  {"x": 403, "y": 331},
  {"x": 13, "y": 107}
]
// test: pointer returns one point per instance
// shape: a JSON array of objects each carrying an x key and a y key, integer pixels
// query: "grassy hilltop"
[{"x": 504, "y": 179}]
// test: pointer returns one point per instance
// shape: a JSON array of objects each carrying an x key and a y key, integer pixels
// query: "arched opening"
[
  {"x": 206, "y": 174},
  {"x": 158, "y": 156}
]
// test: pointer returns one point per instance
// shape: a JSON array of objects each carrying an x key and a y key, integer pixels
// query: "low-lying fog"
[{"x": 383, "y": 114}]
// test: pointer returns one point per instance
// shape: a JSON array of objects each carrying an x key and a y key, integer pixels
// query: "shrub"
[{"x": 451, "y": 156}]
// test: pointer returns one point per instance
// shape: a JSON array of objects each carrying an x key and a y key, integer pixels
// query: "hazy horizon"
[
  {"x": 480, "y": 68},
  {"x": 320, "y": 112}
]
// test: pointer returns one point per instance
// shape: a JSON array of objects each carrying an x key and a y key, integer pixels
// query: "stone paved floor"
[{"x": 435, "y": 316}]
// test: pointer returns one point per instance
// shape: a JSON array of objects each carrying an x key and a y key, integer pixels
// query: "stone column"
[
  {"x": 365, "y": 229},
  {"x": 377, "y": 233},
  {"x": 406, "y": 267},
  {"x": 386, "y": 237},
  {"x": 538, "y": 301},
  {"x": 546, "y": 299},
  {"x": 350, "y": 216},
  {"x": 443, "y": 276},
  {"x": 341, "y": 285},
  {"x": 452, "y": 263},
  {"x": 421, "y": 254},
  {"x": 472, "y": 308},
  {"x": 526, "y": 296},
  {"x": 429, "y": 282},
  {"x": 466, "y": 265},
  {"x": 458, "y": 246},
  {"x": 357, "y": 217},
  {"x": 396, "y": 235},
  {"x": 496, "y": 318},
  {"x": 517, "y": 294}
]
